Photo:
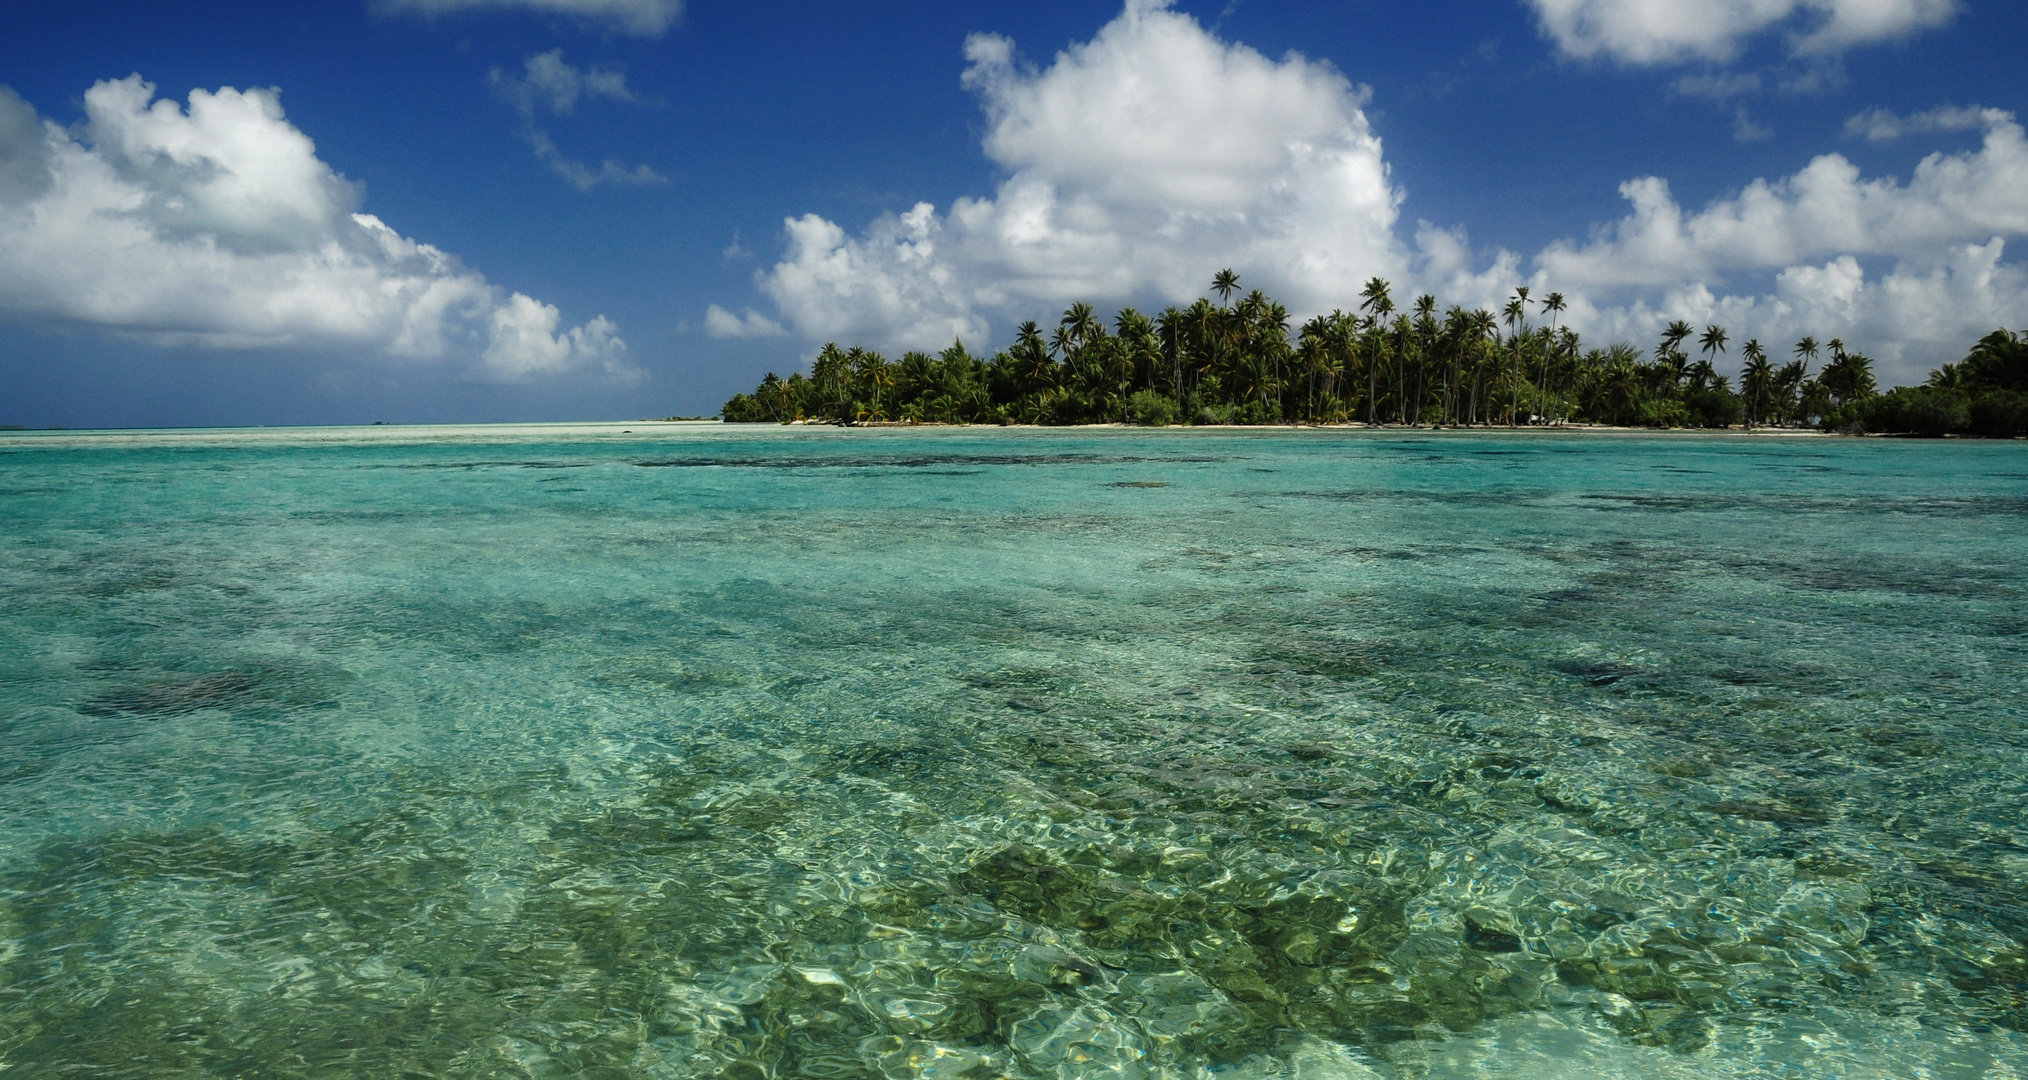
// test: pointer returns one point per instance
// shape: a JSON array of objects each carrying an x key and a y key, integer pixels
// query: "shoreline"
[
  {"x": 1571, "y": 429},
  {"x": 618, "y": 430}
]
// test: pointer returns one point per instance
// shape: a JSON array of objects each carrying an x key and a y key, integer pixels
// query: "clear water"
[{"x": 771, "y": 753}]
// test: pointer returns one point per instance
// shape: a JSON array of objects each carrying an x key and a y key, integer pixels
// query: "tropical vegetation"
[
  {"x": 1984, "y": 394},
  {"x": 1238, "y": 360}
]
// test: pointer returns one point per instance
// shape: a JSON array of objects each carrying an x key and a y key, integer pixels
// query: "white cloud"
[
  {"x": 1939, "y": 239},
  {"x": 720, "y": 323},
  {"x": 1880, "y": 125},
  {"x": 219, "y": 226},
  {"x": 550, "y": 84},
  {"x": 610, "y": 172},
  {"x": 524, "y": 339},
  {"x": 642, "y": 18},
  {"x": 1911, "y": 318},
  {"x": 548, "y": 81},
  {"x": 1745, "y": 130},
  {"x": 1827, "y": 209},
  {"x": 1139, "y": 163},
  {"x": 1671, "y": 31}
]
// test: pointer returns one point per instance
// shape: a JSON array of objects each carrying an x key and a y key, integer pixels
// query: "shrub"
[
  {"x": 2000, "y": 414},
  {"x": 1910, "y": 410},
  {"x": 1151, "y": 408},
  {"x": 1253, "y": 412},
  {"x": 743, "y": 409},
  {"x": 1711, "y": 408}
]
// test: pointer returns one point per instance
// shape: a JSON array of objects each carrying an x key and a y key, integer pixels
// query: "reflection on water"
[{"x": 1001, "y": 753}]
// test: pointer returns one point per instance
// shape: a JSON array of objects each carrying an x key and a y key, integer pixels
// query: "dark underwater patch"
[
  {"x": 467, "y": 465},
  {"x": 922, "y": 462},
  {"x": 1599, "y": 672},
  {"x": 256, "y": 688},
  {"x": 1570, "y": 596}
]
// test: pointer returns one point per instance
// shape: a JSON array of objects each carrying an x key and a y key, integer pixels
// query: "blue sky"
[{"x": 433, "y": 210}]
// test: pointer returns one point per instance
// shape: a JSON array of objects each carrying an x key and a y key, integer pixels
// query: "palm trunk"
[{"x": 1372, "y": 391}]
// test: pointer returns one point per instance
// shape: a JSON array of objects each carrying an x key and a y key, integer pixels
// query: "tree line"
[{"x": 1238, "y": 362}]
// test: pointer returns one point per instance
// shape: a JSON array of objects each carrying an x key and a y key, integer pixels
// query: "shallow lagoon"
[{"x": 692, "y": 751}]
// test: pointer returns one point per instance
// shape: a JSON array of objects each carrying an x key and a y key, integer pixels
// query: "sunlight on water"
[{"x": 756, "y": 753}]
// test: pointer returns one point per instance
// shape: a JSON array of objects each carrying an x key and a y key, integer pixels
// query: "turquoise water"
[{"x": 696, "y": 752}]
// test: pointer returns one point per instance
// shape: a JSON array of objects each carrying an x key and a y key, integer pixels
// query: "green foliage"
[
  {"x": 1237, "y": 360},
  {"x": 2000, "y": 414},
  {"x": 1151, "y": 408},
  {"x": 1908, "y": 410},
  {"x": 1998, "y": 362},
  {"x": 1986, "y": 394},
  {"x": 1711, "y": 407}
]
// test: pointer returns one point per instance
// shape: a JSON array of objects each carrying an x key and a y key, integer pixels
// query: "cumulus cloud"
[
  {"x": 641, "y": 18},
  {"x": 1138, "y": 163},
  {"x": 24, "y": 152},
  {"x": 720, "y": 323},
  {"x": 1937, "y": 242},
  {"x": 1826, "y": 209},
  {"x": 1672, "y": 31},
  {"x": 218, "y": 225},
  {"x": 549, "y": 84},
  {"x": 1881, "y": 125}
]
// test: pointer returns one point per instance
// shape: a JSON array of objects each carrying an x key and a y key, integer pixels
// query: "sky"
[{"x": 342, "y": 211}]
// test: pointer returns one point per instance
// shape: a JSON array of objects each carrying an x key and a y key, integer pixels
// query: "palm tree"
[
  {"x": 1170, "y": 329},
  {"x": 1204, "y": 322},
  {"x": 1675, "y": 334},
  {"x": 1425, "y": 336},
  {"x": 1669, "y": 355},
  {"x": 1849, "y": 377},
  {"x": 1224, "y": 283},
  {"x": 1713, "y": 342},
  {"x": 1622, "y": 381},
  {"x": 1998, "y": 361},
  {"x": 1379, "y": 305},
  {"x": 1313, "y": 352},
  {"x": 1785, "y": 393},
  {"x": 1756, "y": 375},
  {"x": 876, "y": 372},
  {"x": 1139, "y": 350},
  {"x": 1485, "y": 336},
  {"x": 1456, "y": 333},
  {"x": 1567, "y": 345},
  {"x": 1344, "y": 345},
  {"x": 1516, "y": 316},
  {"x": 1079, "y": 325},
  {"x": 1036, "y": 368},
  {"x": 1554, "y": 304},
  {"x": 1806, "y": 351}
]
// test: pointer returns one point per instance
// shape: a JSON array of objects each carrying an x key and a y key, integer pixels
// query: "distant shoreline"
[
  {"x": 1568, "y": 429},
  {"x": 616, "y": 430}
]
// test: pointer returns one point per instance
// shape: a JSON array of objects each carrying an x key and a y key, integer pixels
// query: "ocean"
[{"x": 674, "y": 751}]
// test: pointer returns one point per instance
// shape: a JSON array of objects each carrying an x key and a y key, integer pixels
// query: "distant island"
[{"x": 1229, "y": 362}]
